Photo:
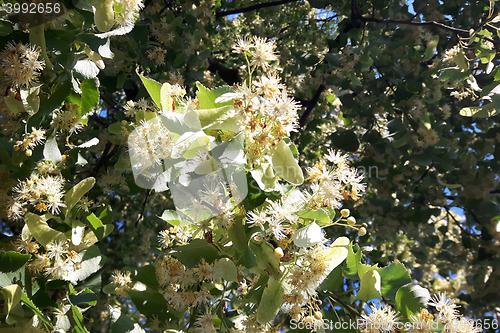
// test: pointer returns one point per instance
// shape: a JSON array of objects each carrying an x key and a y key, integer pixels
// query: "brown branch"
[
  {"x": 105, "y": 157},
  {"x": 312, "y": 103},
  {"x": 430, "y": 23},
  {"x": 253, "y": 7},
  {"x": 474, "y": 216},
  {"x": 143, "y": 208},
  {"x": 465, "y": 231},
  {"x": 458, "y": 31}
]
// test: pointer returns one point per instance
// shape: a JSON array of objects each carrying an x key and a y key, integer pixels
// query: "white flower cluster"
[
  {"x": 265, "y": 112},
  {"x": 45, "y": 193},
  {"x": 332, "y": 184},
  {"x": 127, "y": 11},
  {"x": 383, "y": 319},
  {"x": 151, "y": 142},
  {"x": 57, "y": 262},
  {"x": 20, "y": 64},
  {"x": 30, "y": 141}
]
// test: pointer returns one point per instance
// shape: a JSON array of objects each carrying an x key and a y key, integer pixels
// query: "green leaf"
[
  {"x": 421, "y": 159},
  {"x": 255, "y": 293},
  {"x": 85, "y": 297},
  {"x": 431, "y": 48},
  {"x": 12, "y": 261},
  {"x": 172, "y": 217},
  {"x": 77, "y": 232},
  {"x": 266, "y": 260},
  {"x": 105, "y": 214},
  {"x": 333, "y": 281},
  {"x": 41, "y": 230},
  {"x": 271, "y": 301},
  {"x": 37, "y": 311},
  {"x": 355, "y": 80},
  {"x": 97, "y": 225},
  {"x": 225, "y": 269},
  {"x": 319, "y": 215},
  {"x": 116, "y": 128},
  {"x": 393, "y": 277},
  {"x": 5, "y": 28},
  {"x": 92, "y": 261},
  {"x": 51, "y": 151},
  {"x": 189, "y": 144},
  {"x": 76, "y": 193},
  {"x": 218, "y": 118},
  {"x": 90, "y": 96},
  {"x": 77, "y": 320},
  {"x": 410, "y": 298},
  {"x": 56, "y": 98},
  {"x": 153, "y": 88},
  {"x": 285, "y": 165},
  {"x": 353, "y": 259},
  {"x": 90, "y": 237},
  {"x": 264, "y": 176},
  {"x": 238, "y": 235},
  {"x": 85, "y": 70},
  {"x": 18, "y": 276},
  {"x": 345, "y": 140},
  {"x": 369, "y": 286},
  {"x": 14, "y": 104},
  {"x": 365, "y": 60},
  {"x": 207, "y": 97},
  {"x": 30, "y": 99},
  {"x": 145, "y": 274},
  {"x": 336, "y": 253},
  {"x": 308, "y": 236},
  {"x": 191, "y": 254},
  {"x": 404, "y": 140},
  {"x": 488, "y": 110},
  {"x": 149, "y": 302},
  {"x": 12, "y": 296},
  {"x": 461, "y": 61},
  {"x": 122, "y": 323}
]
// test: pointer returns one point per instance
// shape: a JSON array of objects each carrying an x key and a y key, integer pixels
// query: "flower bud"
[
  {"x": 362, "y": 231},
  {"x": 351, "y": 220},
  {"x": 278, "y": 252},
  {"x": 345, "y": 212},
  {"x": 318, "y": 315},
  {"x": 95, "y": 57},
  {"x": 28, "y": 152}
]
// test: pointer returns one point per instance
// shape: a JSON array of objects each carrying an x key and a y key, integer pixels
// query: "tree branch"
[
  {"x": 465, "y": 231},
  {"x": 253, "y": 7},
  {"x": 312, "y": 103},
  {"x": 143, "y": 208},
  {"x": 105, "y": 157},
  {"x": 431, "y": 23}
]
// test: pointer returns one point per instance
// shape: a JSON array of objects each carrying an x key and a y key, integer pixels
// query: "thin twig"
[
  {"x": 105, "y": 157},
  {"x": 458, "y": 31},
  {"x": 465, "y": 231},
  {"x": 253, "y": 7},
  {"x": 312, "y": 104},
  {"x": 143, "y": 207}
]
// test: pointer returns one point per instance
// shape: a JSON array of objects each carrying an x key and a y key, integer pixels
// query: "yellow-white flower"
[{"x": 20, "y": 64}]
